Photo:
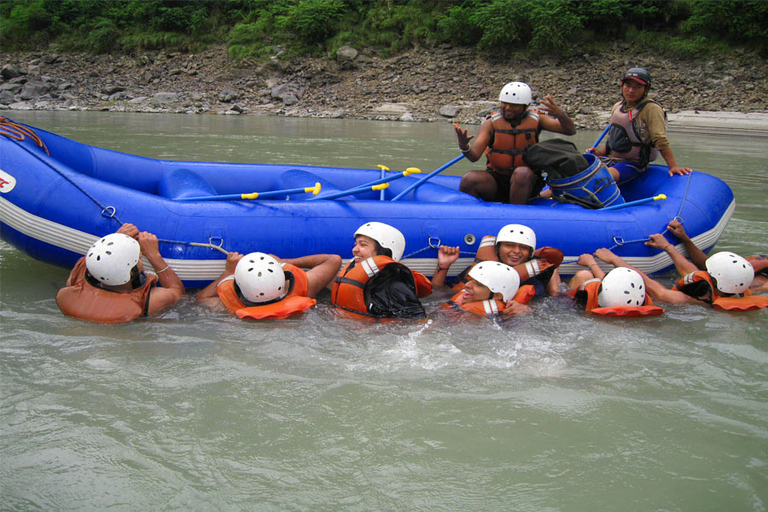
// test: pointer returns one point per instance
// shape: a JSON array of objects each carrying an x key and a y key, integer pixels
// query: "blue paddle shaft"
[{"x": 427, "y": 177}]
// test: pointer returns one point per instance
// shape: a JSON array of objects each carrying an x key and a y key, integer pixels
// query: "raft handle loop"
[
  {"x": 435, "y": 245},
  {"x": 109, "y": 212}
]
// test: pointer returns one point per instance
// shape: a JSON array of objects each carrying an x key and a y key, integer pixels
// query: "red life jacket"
[
  {"x": 488, "y": 307},
  {"x": 293, "y": 303},
  {"x": 348, "y": 293},
  {"x": 592, "y": 289},
  {"x": 700, "y": 286},
  {"x": 624, "y": 140},
  {"x": 83, "y": 300},
  {"x": 508, "y": 142}
]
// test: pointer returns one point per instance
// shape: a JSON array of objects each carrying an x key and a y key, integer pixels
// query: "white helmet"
[
  {"x": 500, "y": 278},
  {"x": 260, "y": 277},
  {"x": 517, "y": 233},
  {"x": 621, "y": 287},
  {"x": 731, "y": 272},
  {"x": 387, "y": 237},
  {"x": 517, "y": 93},
  {"x": 111, "y": 258}
]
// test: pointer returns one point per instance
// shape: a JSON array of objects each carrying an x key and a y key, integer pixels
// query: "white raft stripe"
[{"x": 208, "y": 270}]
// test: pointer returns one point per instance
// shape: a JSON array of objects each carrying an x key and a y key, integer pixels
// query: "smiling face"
[
  {"x": 512, "y": 110},
  {"x": 365, "y": 247},
  {"x": 474, "y": 292},
  {"x": 512, "y": 253}
]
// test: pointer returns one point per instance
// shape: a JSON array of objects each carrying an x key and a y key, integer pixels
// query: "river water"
[{"x": 556, "y": 411}]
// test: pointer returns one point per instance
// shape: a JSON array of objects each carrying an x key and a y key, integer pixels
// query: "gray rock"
[
  {"x": 165, "y": 97},
  {"x": 34, "y": 89},
  {"x": 7, "y": 97},
  {"x": 8, "y": 72},
  {"x": 290, "y": 99},
  {"x": 228, "y": 96},
  {"x": 450, "y": 110}
]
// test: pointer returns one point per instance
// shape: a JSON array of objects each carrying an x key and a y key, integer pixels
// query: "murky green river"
[{"x": 556, "y": 411}]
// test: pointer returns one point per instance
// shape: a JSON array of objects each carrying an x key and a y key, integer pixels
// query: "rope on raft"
[
  {"x": 14, "y": 130},
  {"x": 619, "y": 241}
]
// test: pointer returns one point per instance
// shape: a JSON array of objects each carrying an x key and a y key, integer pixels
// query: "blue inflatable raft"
[{"x": 57, "y": 196}]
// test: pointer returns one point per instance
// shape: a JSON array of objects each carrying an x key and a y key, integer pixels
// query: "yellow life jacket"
[
  {"x": 84, "y": 300},
  {"x": 293, "y": 303}
]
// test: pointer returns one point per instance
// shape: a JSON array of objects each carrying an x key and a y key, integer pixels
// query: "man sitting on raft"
[
  {"x": 638, "y": 131},
  {"x": 503, "y": 138},
  {"x": 260, "y": 286}
]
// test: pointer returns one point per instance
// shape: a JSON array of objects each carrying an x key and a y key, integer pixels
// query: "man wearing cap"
[
  {"x": 638, "y": 131},
  {"x": 503, "y": 138}
]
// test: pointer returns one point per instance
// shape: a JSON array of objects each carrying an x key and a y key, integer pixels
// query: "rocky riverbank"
[{"x": 434, "y": 85}]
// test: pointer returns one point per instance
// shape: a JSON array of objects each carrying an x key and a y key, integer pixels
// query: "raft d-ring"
[
  {"x": 618, "y": 240},
  {"x": 108, "y": 212},
  {"x": 215, "y": 246},
  {"x": 470, "y": 239},
  {"x": 434, "y": 245}
]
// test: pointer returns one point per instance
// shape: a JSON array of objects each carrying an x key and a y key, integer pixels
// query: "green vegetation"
[{"x": 264, "y": 28}]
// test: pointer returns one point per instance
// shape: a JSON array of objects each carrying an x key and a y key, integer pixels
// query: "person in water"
[
  {"x": 620, "y": 292},
  {"x": 638, "y": 131},
  {"x": 699, "y": 258},
  {"x": 108, "y": 284},
  {"x": 724, "y": 284},
  {"x": 261, "y": 286},
  {"x": 503, "y": 138},
  {"x": 514, "y": 245},
  {"x": 491, "y": 289},
  {"x": 374, "y": 284}
]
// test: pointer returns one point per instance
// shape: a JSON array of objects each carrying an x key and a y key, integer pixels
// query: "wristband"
[{"x": 161, "y": 271}]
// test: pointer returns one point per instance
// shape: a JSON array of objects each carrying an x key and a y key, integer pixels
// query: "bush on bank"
[{"x": 289, "y": 28}]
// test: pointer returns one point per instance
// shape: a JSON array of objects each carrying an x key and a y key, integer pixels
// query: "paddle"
[
  {"x": 353, "y": 191},
  {"x": 365, "y": 187},
  {"x": 635, "y": 203},
  {"x": 384, "y": 170},
  {"x": 602, "y": 135},
  {"x": 255, "y": 195},
  {"x": 427, "y": 177}
]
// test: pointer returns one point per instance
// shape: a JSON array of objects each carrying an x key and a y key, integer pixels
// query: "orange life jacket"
[
  {"x": 348, "y": 289},
  {"x": 699, "y": 285},
  {"x": 592, "y": 289},
  {"x": 84, "y": 300},
  {"x": 543, "y": 259},
  {"x": 508, "y": 143},
  {"x": 293, "y": 303},
  {"x": 488, "y": 307}
]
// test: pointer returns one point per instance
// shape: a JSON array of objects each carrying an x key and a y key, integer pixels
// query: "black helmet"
[{"x": 639, "y": 75}]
